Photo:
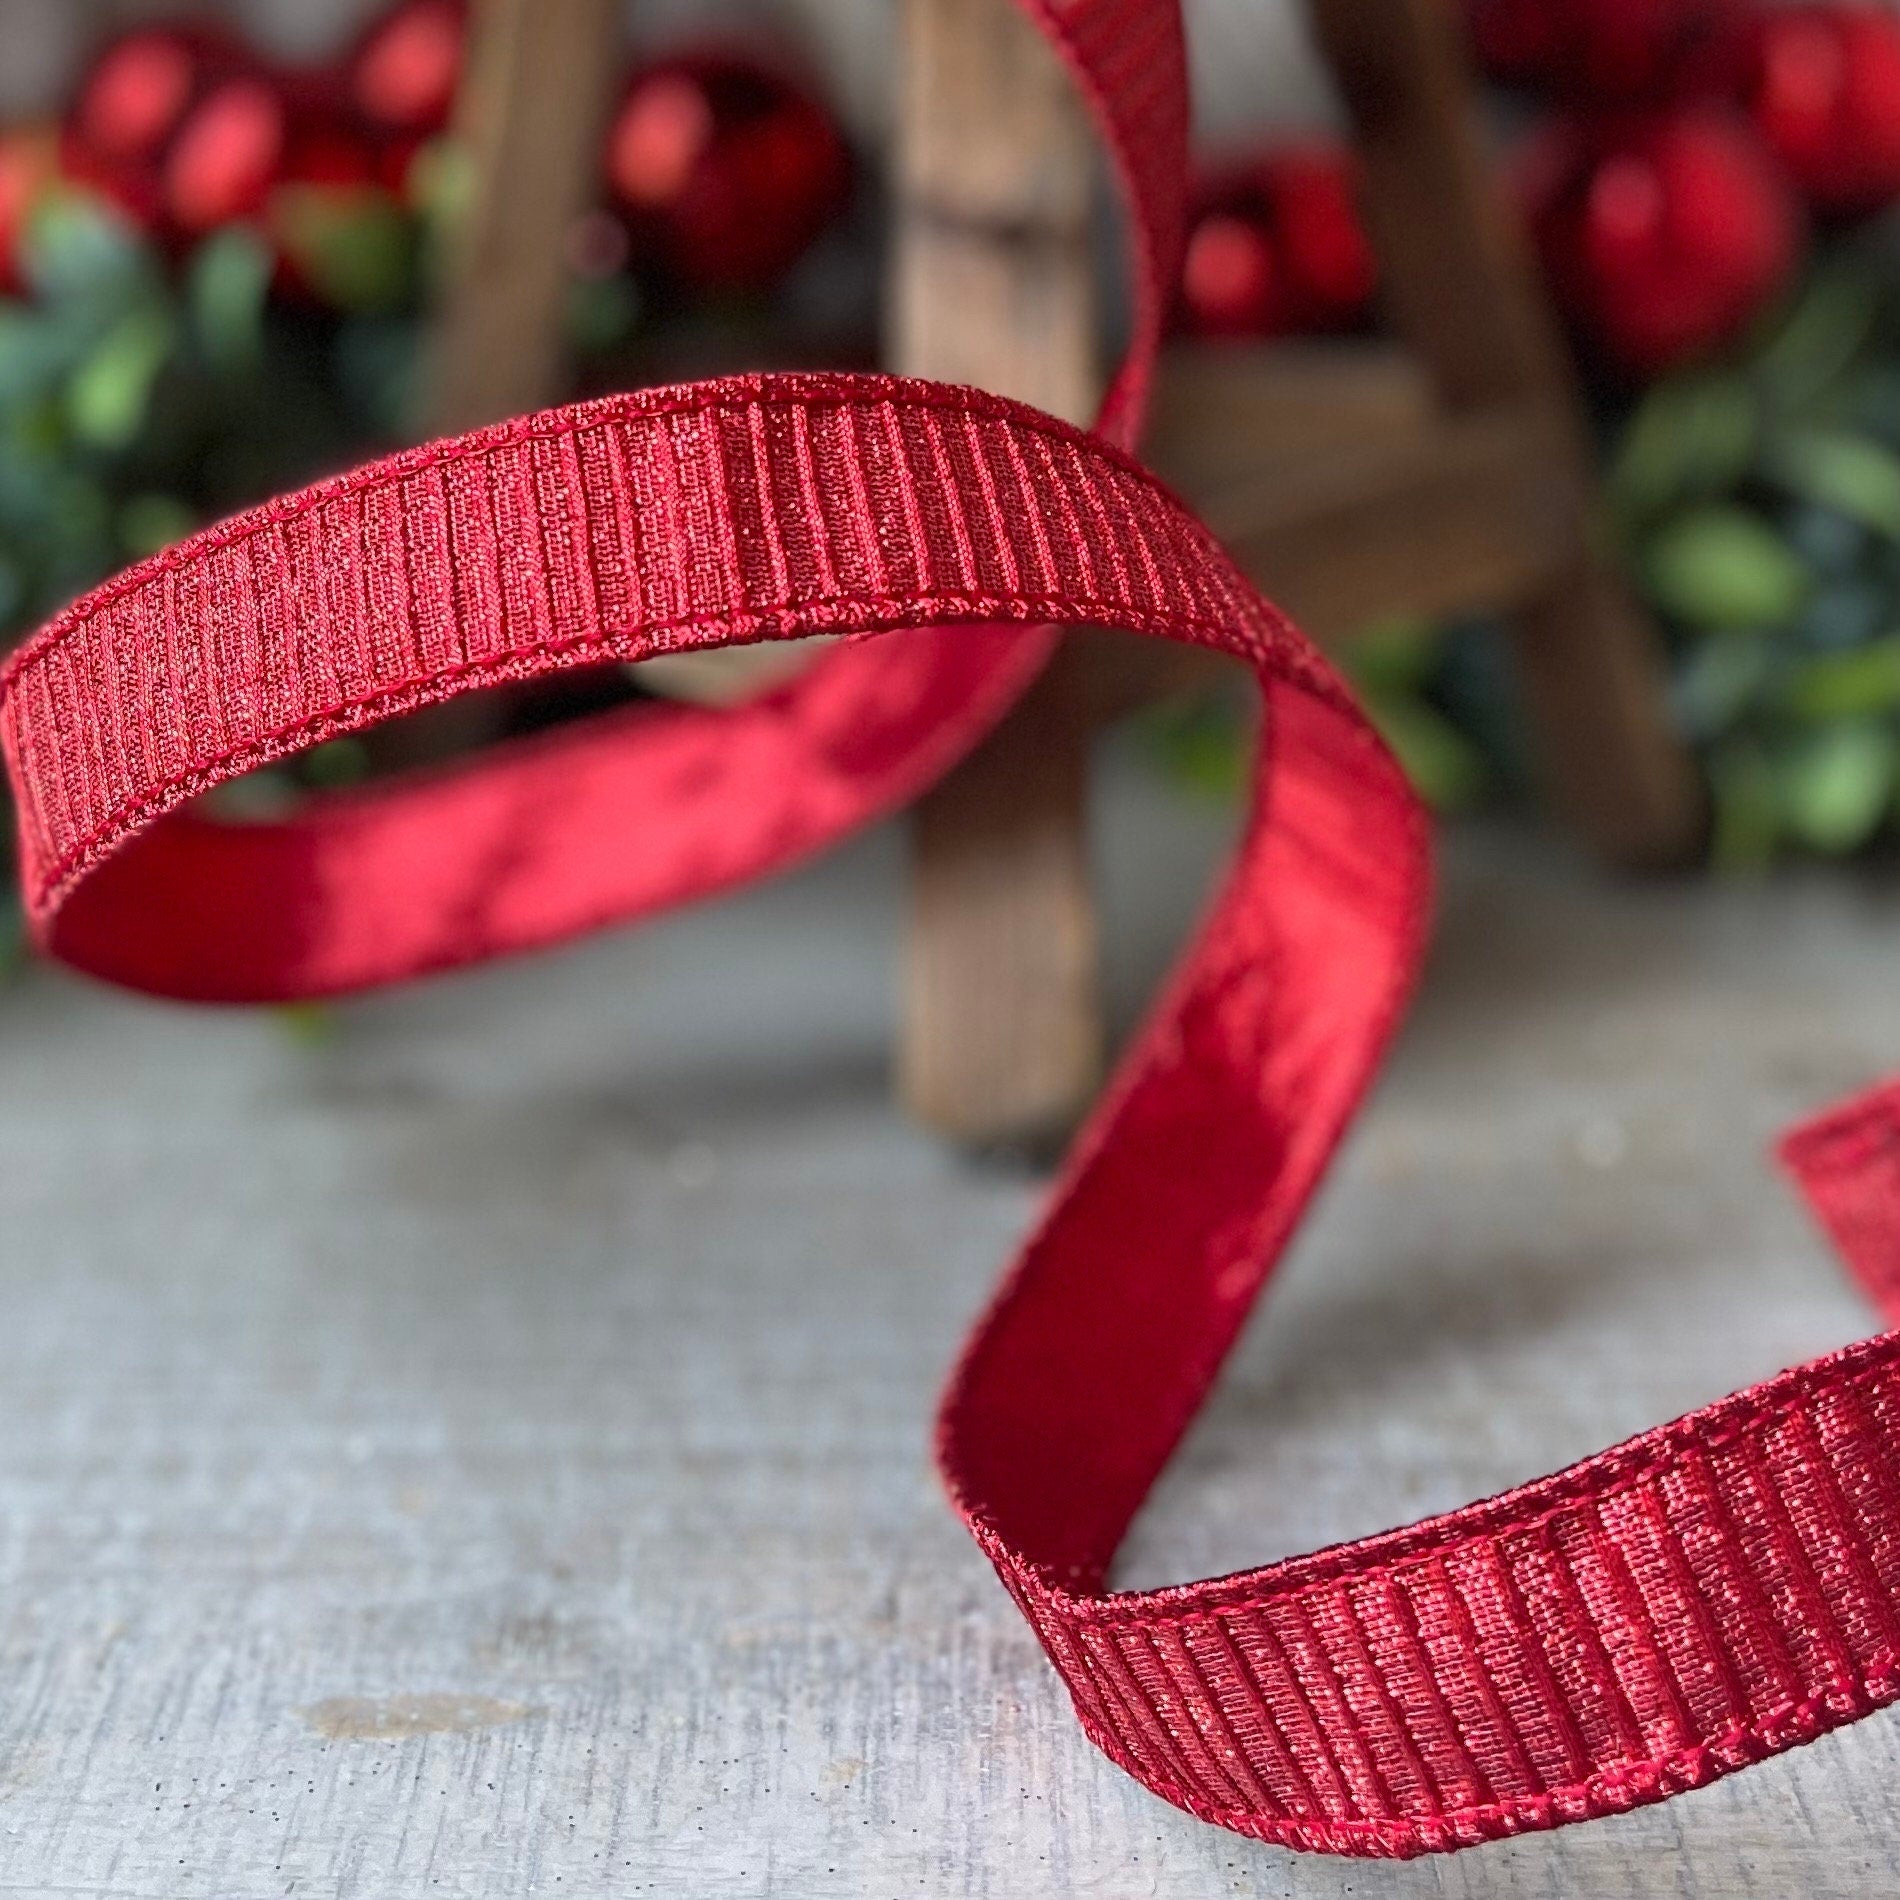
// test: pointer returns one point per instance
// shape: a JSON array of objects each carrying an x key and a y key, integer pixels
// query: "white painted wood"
[{"x": 485, "y": 1455}]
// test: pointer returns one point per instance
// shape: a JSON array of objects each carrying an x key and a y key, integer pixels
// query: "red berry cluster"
[
  {"x": 1276, "y": 246},
  {"x": 1686, "y": 147},
  {"x": 719, "y": 169}
]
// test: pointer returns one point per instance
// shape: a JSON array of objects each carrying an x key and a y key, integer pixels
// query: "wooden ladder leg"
[
  {"x": 1464, "y": 293},
  {"x": 534, "y": 96},
  {"x": 533, "y": 104},
  {"x": 1002, "y": 1037}
]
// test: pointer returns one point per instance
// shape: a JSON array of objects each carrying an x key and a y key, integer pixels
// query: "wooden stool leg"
[
  {"x": 533, "y": 101},
  {"x": 534, "y": 96},
  {"x": 1002, "y": 1035},
  {"x": 1465, "y": 295}
]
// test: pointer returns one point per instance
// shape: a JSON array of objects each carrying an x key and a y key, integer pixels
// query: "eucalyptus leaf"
[
  {"x": 354, "y": 245},
  {"x": 602, "y": 313},
  {"x": 1720, "y": 567},
  {"x": 1747, "y": 809},
  {"x": 37, "y": 349},
  {"x": 1852, "y": 685},
  {"x": 1846, "y": 614},
  {"x": 1836, "y": 788},
  {"x": 337, "y": 762},
  {"x": 226, "y": 288},
  {"x": 1201, "y": 743},
  {"x": 1853, "y": 475},
  {"x": 1720, "y": 681},
  {"x": 1395, "y": 655},
  {"x": 307, "y": 1025},
  {"x": 107, "y": 396},
  {"x": 150, "y": 522},
  {"x": 1690, "y": 439},
  {"x": 1828, "y": 541},
  {"x": 1444, "y": 766},
  {"x": 77, "y": 250},
  {"x": 1827, "y": 328}
]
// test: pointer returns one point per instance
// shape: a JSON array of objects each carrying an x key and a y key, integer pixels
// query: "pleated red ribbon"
[{"x": 1709, "y": 1593}]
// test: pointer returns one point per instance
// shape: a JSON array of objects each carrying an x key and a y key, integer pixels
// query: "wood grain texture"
[
  {"x": 1351, "y": 495},
  {"x": 992, "y": 283},
  {"x": 1461, "y": 290},
  {"x": 529, "y": 116},
  {"x": 485, "y": 1455}
]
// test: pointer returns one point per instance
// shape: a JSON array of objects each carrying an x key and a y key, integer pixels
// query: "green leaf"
[
  {"x": 1201, "y": 743},
  {"x": 602, "y": 312},
  {"x": 1825, "y": 331},
  {"x": 37, "y": 349},
  {"x": 78, "y": 250},
  {"x": 1444, "y": 766},
  {"x": 1747, "y": 803},
  {"x": 307, "y": 1025},
  {"x": 1851, "y": 474},
  {"x": 337, "y": 762},
  {"x": 1836, "y": 788},
  {"x": 1720, "y": 679},
  {"x": 107, "y": 396},
  {"x": 376, "y": 371},
  {"x": 1852, "y": 685},
  {"x": 354, "y": 245},
  {"x": 1394, "y": 656},
  {"x": 150, "y": 522},
  {"x": 226, "y": 289},
  {"x": 1724, "y": 567},
  {"x": 1689, "y": 439}
]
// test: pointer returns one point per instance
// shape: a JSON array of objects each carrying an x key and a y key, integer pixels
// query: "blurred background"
[
  {"x": 226, "y": 232},
  {"x": 476, "y": 1438}
]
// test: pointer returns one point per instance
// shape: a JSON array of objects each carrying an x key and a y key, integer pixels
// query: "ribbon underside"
[{"x": 1709, "y": 1593}]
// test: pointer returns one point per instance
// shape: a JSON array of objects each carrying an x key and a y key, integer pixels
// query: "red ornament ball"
[
  {"x": 399, "y": 79},
  {"x": 1276, "y": 246},
  {"x": 179, "y": 126},
  {"x": 1663, "y": 236},
  {"x": 1823, "y": 88},
  {"x": 724, "y": 169},
  {"x": 1601, "y": 51},
  {"x": 225, "y": 157}
]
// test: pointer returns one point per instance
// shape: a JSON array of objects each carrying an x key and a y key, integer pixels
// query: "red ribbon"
[{"x": 1704, "y": 1595}]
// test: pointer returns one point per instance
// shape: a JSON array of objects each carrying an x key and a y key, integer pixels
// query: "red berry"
[
  {"x": 137, "y": 94},
  {"x": 1823, "y": 88},
  {"x": 1664, "y": 236},
  {"x": 225, "y": 158},
  {"x": 1276, "y": 246},
  {"x": 180, "y": 126},
  {"x": 724, "y": 168},
  {"x": 402, "y": 74},
  {"x": 1230, "y": 280}
]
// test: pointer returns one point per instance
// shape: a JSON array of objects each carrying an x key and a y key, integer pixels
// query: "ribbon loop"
[{"x": 1701, "y": 1596}]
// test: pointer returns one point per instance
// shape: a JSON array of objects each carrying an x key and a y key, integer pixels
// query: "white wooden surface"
[{"x": 485, "y": 1455}]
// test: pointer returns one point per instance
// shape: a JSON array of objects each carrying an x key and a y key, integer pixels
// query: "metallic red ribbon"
[{"x": 1709, "y": 1593}]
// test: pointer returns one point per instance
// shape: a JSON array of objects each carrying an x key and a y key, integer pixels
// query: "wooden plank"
[
  {"x": 1469, "y": 513},
  {"x": 992, "y": 285},
  {"x": 528, "y": 118},
  {"x": 1226, "y": 412},
  {"x": 1462, "y": 292},
  {"x": 540, "y": 78}
]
